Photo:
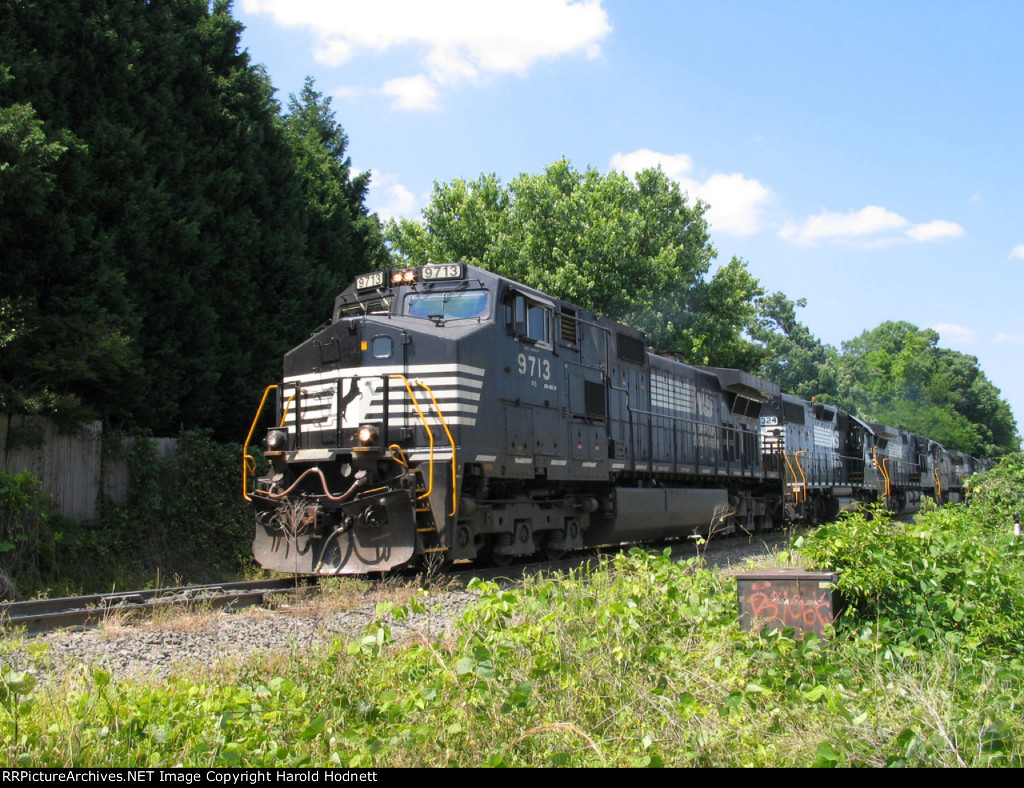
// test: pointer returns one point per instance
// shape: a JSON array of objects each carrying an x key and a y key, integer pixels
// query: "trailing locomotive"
[{"x": 447, "y": 410}]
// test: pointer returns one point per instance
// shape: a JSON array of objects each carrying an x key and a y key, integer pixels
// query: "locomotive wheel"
[{"x": 499, "y": 560}]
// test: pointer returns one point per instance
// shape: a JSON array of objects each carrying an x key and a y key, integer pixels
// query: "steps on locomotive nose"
[
  {"x": 422, "y": 504},
  {"x": 429, "y": 537},
  {"x": 426, "y": 531}
]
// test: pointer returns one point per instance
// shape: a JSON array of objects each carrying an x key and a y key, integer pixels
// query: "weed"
[{"x": 196, "y": 616}]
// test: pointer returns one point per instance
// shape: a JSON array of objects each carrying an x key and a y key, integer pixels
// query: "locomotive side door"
[
  {"x": 534, "y": 431},
  {"x": 584, "y": 345}
]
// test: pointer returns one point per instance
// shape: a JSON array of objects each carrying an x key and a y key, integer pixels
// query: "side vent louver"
[{"x": 568, "y": 324}]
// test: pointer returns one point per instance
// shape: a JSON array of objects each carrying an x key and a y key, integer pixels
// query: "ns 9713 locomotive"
[{"x": 448, "y": 411}]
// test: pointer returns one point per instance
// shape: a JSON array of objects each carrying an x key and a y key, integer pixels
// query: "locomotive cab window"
[
  {"x": 527, "y": 319},
  {"x": 447, "y": 304},
  {"x": 381, "y": 347}
]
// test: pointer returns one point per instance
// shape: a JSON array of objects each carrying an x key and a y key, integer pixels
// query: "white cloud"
[
  {"x": 389, "y": 199},
  {"x": 1012, "y": 338},
  {"x": 934, "y": 231},
  {"x": 1017, "y": 252},
  {"x": 463, "y": 39},
  {"x": 954, "y": 335},
  {"x": 736, "y": 202},
  {"x": 447, "y": 67},
  {"x": 411, "y": 93},
  {"x": 347, "y": 92},
  {"x": 872, "y": 225},
  {"x": 677, "y": 166},
  {"x": 332, "y": 52},
  {"x": 842, "y": 226}
]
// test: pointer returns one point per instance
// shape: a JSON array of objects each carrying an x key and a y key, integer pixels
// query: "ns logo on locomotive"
[{"x": 447, "y": 410}]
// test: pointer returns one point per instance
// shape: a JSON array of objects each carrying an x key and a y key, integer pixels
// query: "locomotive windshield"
[{"x": 447, "y": 304}]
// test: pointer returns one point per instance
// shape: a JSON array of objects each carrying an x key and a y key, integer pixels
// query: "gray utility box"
[{"x": 786, "y": 596}]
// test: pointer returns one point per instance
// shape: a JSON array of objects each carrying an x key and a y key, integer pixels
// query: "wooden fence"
[{"x": 72, "y": 468}]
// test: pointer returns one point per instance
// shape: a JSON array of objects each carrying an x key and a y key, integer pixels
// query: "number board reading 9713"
[
  {"x": 430, "y": 273},
  {"x": 368, "y": 281}
]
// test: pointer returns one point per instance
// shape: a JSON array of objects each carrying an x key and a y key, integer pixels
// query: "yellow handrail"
[
  {"x": 796, "y": 457},
  {"x": 400, "y": 459},
  {"x": 882, "y": 469},
  {"x": 451, "y": 440},
  {"x": 248, "y": 461},
  {"x": 938, "y": 483},
  {"x": 430, "y": 435},
  {"x": 796, "y": 480}
]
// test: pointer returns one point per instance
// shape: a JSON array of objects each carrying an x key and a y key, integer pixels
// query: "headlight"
[
  {"x": 403, "y": 277},
  {"x": 276, "y": 440},
  {"x": 367, "y": 435}
]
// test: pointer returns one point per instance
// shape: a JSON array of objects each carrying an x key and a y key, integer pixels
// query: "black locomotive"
[{"x": 446, "y": 410}]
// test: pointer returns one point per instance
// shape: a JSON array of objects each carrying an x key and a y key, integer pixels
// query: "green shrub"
[
  {"x": 639, "y": 662},
  {"x": 184, "y": 514},
  {"x": 183, "y": 518},
  {"x": 997, "y": 497},
  {"x": 26, "y": 544},
  {"x": 953, "y": 576}
]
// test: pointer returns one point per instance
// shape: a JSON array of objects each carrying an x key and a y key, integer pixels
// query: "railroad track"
[{"x": 43, "y": 615}]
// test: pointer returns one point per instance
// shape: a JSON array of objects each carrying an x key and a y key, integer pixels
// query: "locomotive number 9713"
[{"x": 448, "y": 411}]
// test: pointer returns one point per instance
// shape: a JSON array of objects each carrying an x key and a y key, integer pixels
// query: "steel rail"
[{"x": 44, "y": 615}]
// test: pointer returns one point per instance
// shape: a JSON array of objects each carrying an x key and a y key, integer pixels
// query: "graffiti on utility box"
[{"x": 786, "y": 597}]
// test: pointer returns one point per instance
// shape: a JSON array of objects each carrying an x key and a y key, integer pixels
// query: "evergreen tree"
[
  {"x": 342, "y": 237},
  {"x": 165, "y": 232}
]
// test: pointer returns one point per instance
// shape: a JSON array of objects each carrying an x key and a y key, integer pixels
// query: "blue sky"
[{"x": 863, "y": 155}]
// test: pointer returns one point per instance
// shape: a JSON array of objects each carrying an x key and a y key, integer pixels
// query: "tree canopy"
[
  {"x": 793, "y": 357},
  {"x": 896, "y": 374},
  {"x": 341, "y": 237},
  {"x": 166, "y": 231},
  {"x": 634, "y": 249}
]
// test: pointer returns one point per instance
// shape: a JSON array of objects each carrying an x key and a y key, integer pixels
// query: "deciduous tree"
[
  {"x": 636, "y": 250},
  {"x": 897, "y": 374},
  {"x": 793, "y": 357}
]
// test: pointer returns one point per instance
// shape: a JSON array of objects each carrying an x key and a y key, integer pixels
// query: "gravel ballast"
[{"x": 156, "y": 649}]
